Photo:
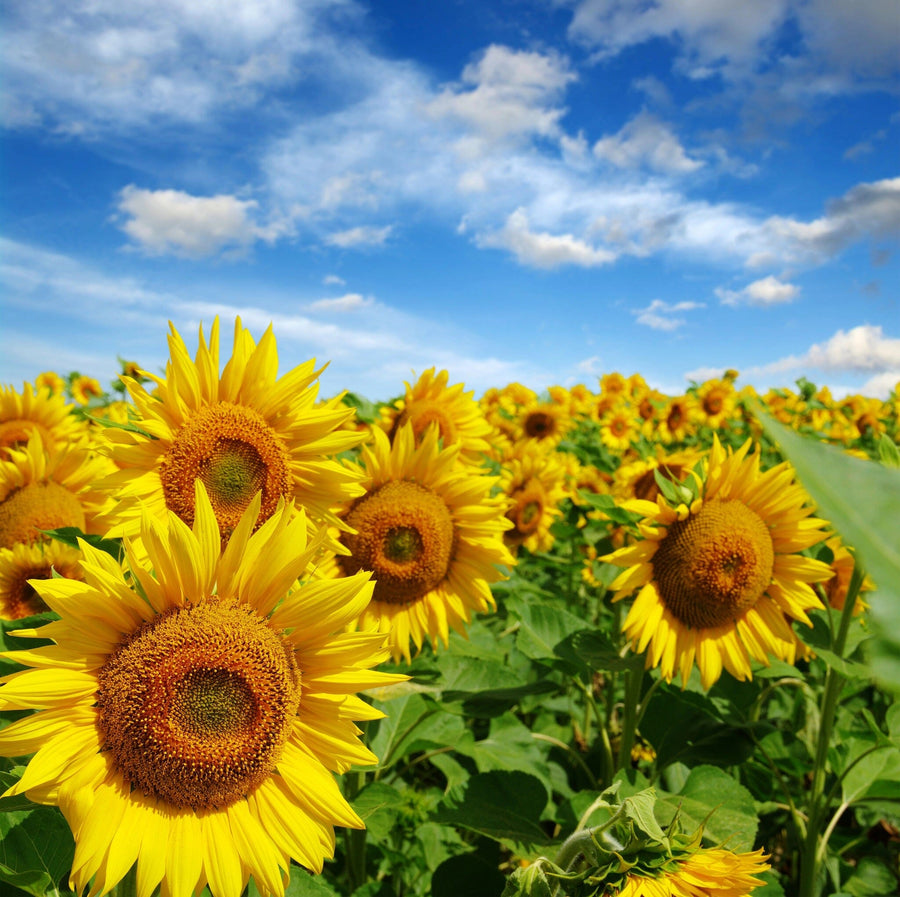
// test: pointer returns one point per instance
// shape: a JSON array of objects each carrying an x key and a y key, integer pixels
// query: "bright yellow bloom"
[
  {"x": 457, "y": 415},
  {"x": 239, "y": 432},
  {"x": 542, "y": 422},
  {"x": 36, "y": 411},
  {"x": 429, "y": 530},
  {"x": 24, "y": 562},
  {"x": 720, "y": 579},
  {"x": 40, "y": 490},
  {"x": 637, "y": 479},
  {"x": 85, "y": 388},
  {"x": 619, "y": 427},
  {"x": 52, "y": 381},
  {"x": 715, "y": 402},
  {"x": 191, "y": 723}
]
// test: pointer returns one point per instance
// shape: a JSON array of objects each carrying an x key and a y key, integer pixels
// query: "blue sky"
[{"x": 531, "y": 190}]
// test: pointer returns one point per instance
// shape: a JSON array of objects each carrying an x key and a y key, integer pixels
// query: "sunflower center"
[
  {"x": 35, "y": 507},
  {"x": 20, "y": 599},
  {"x": 715, "y": 565},
  {"x": 236, "y": 453},
  {"x": 539, "y": 424},
  {"x": 526, "y": 512},
  {"x": 713, "y": 403},
  {"x": 618, "y": 426},
  {"x": 645, "y": 486},
  {"x": 16, "y": 433},
  {"x": 405, "y": 535},
  {"x": 196, "y": 705}
]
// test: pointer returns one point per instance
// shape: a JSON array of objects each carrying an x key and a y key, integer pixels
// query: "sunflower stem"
[
  {"x": 813, "y": 851},
  {"x": 127, "y": 886},
  {"x": 634, "y": 679},
  {"x": 355, "y": 839}
]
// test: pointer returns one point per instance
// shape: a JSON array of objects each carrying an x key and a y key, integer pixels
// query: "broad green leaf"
[
  {"x": 302, "y": 884},
  {"x": 471, "y": 874},
  {"x": 36, "y": 850},
  {"x": 413, "y": 723},
  {"x": 862, "y": 777},
  {"x": 504, "y": 806},
  {"x": 872, "y": 878},
  {"x": 544, "y": 628},
  {"x": 596, "y": 649},
  {"x": 862, "y": 500},
  {"x": 69, "y": 535},
  {"x": 713, "y": 797}
]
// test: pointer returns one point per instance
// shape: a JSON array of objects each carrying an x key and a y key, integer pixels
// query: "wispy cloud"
[
  {"x": 766, "y": 291},
  {"x": 359, "y": 236},
  {"x": 348, "y": 302},
  {"x": 660, "y": 315},
  {"x": 646, "y": 141}
]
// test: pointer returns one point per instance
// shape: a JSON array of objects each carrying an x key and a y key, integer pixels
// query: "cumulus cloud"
[
  {"x": 161, "y": 221},
  {"x": 646, "y": 141},
  {"x": 507, "y": 93},
  {"x": 660, "y": 315},
  {"x": 544, "y": 250},
  {"x": 348, "y": 302},
  {"x": 359, "y": 236},
  {"x": 767, "y": 291}
]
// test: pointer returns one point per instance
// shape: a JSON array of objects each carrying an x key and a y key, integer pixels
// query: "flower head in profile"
[
  {"x": 190, "y": 714},
  {"x": 38, "y": 410},
  {"x": 240, "y": 432},
  {"x": 432, "y": 535},
  {"x": 719, "y": 570},
  {"x": 85, "y": 388}
]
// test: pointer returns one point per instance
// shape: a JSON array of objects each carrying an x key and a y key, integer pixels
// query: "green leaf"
[
  {"x": 888, "y": 453},
  {"x": 472, "y": 874},
  {"x": 544, "y": 628},
  {"x": 36, "y": 850},
  {"x": 872, "y": 878},
  {"x": 596, "y": 649},
  {"x": 859, "y": 498},
  {"x": 118, "y": 425},
  {"x": 302, "y": 884},
  {"x": 713, "y": 797},
  {"x": 413, "y": 723},
  {"x": 69, "y": 535},
  {"x": 504, "y": 806}
]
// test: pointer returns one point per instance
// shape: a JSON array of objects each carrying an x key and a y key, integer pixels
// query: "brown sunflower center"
[
  {"x": 405, "y": 535},
  {"x": 645, "y": 486},
  {"x": 712, "y": 403},
  {"x": 19, "y": 598},
  {"x": 196, "y": 705},
  {"x": 235, "y": 453},
  {"x": 35, "y": 507},
  {"x": 526, "y": 512},
  {"x": 15, "y": 433},
  {"x": 715, "y": 565},
  {"x": 539, "y": 424}
]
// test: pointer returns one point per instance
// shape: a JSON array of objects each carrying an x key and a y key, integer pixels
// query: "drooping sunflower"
[
  {"x": 534, "y": 481},
  {"x": 721, "y": 578},
  {"x": 432, "y": 535},
  {"x": 40, "y": 490},
  {"x": 191, "y": 722},
  {"x": 36, "y": 411},
  {"x": 707, "y": 872},
  {"x": 24, "y": 562},
  {"x": 239, "y": 433},
  {"x": 457, "y": 415}
]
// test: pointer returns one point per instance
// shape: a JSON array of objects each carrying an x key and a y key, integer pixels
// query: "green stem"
[
  {"x": 557, "y": 742},
  {"x": 355, "y": 839},
  {"x": 812, "y": 853},
  {"x": 633, "y": 680},
  {"x": 576, "y": 845},
  {"x": 127, "y": 886}
]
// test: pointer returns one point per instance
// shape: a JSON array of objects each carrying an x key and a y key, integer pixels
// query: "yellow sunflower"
[
  {"x": 707, "y": 872},
  {"x": 720, "y": 578},
  {"x": 190, "y": 723},
  {"x": 715, "y": 402},
  {"x": 52, "y": 381},
  {"x": 40, "y": 490},
  {"x": 456, "y": 413},
  {"x": 637, "y": 479},
  {"x": 542, "y": 422},
  {"x": 429, "y": 530},
  {"x": 618, "y": 427},
  {"x": 674, "y": 422},
  {"x": 534, "y": 481},
  {"x": 24, "y": 562},
  {"x": 239, "y": 433},
  {"x": 36, "y": 411},
  {"x": 85, "y": 388}
]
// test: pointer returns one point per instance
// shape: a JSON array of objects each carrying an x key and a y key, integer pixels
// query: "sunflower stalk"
[
  {"x": 813, "y": 850},
  {"x": 634, "y": 680}
]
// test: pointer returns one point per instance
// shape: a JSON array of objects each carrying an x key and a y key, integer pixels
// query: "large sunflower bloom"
[
  {"x": 25, "y": 562},
  {"x": 707, "y": 872},
  {"x": 720, "y": 580},
  {"x": 241, "y": 432},
  {"x": 456, "y": 413},
  {"x": 40, "y": 490},
  {"x": 36, "y": 411},
  {"x": 190, "y": 723},
  {"x": 431, "y": 533}
]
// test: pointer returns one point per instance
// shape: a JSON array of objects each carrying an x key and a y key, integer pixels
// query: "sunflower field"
[{"x": 597, "y": 642}]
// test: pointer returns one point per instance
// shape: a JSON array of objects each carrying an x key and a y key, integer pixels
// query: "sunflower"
[
  {"x": 40, "y": 490},
  {"x": 637, "y": 479},
  {"x": 674, "y": 420},
  {"x": 543, "y": 422},
  {"x": 720, "y": 574},
  {"x": 715, "y": 402},
  {"x": 534, "y": 480},
  {"x": 36, "y": 411},
  {"x": 85, "y": 388},
  {"x": 456, "y": 413},
  {"x": 24, "y": 562},
  {"x": 52, "y": 381},
  {"x": 707, "y": 872},
  {"x": 836, "y": 589},
  {"x": 239, "y": 433},
  {"x": 431, "y": 533},
  {"x": 190, "y": 722},
  {"x": 618, "y": 427}
]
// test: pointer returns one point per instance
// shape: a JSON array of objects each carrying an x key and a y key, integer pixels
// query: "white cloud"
[
  {"x": 162, "y": 221},
  {"x": 881, "y": 385},
  {"x": 646, "y": 141},
  {"x": 592, "y": 365},
  {"x": 767, "y": 291},
  {"x": 507, "y": 93},
  {"x": 348, "y": 302},
  {"x": 544, "y": 250},
  {"x": 333, "y": 280},
  {"x": 659, "y": 315},
  {"x": 359, "y": 236},
  {"x": 704, "y": 373}
]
